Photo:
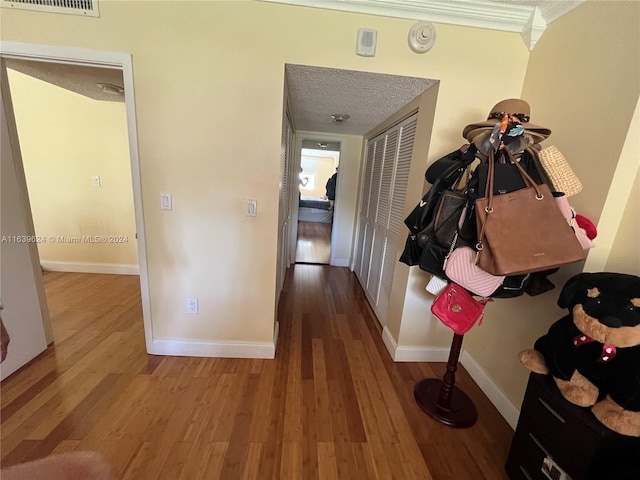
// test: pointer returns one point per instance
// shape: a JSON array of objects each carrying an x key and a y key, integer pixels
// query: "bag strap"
[
  {"x": 489, "y": 191},
  {"x": 525, "y": 176}
]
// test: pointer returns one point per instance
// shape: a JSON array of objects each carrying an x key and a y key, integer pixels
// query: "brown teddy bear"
[{"x": 593, "y": 354}]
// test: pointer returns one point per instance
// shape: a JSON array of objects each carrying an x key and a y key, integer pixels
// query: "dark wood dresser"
[{"x": 559, "y": 438}]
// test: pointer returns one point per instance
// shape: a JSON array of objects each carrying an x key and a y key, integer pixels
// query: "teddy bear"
[{"x": 593, "y": 353}]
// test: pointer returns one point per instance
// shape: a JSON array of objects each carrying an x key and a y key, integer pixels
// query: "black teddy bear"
[{"x": 593, "y": 353}]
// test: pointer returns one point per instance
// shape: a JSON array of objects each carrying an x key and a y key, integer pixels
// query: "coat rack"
[{"x": 442, "y": 399}]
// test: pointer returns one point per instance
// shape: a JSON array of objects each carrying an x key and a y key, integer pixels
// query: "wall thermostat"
[{"x": 422, "y": 37}]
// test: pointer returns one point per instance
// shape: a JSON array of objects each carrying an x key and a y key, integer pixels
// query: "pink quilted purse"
[{"x": 460, "y": 266}]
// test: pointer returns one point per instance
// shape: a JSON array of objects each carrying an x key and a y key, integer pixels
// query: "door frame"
[
  {"x": 124, "y": 63},
  {"x": 299, "y": 138}
]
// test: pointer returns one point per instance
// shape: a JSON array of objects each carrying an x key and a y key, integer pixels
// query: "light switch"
[
  {"x": 252, "y": 208},
  {"x": 165, "y": 201},
  {"x": 95, "y": 180}
]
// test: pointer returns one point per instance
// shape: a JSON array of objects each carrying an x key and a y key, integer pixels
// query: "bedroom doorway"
[{"x": 319, "y": 162}]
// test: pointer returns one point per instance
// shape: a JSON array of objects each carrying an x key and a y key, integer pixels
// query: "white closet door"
[
  {"x": 385, "y": 178},
  {"x": 395, "y": 227},
  {"x": 285, "y": 202},
  {"x": 369, "y": 206}
]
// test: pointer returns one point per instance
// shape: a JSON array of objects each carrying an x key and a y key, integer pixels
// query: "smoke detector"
[{"x": 422, "y": 37}]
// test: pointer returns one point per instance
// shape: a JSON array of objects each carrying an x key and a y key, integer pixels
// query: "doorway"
[
  {"x": 319, "y": 163},
  {"x": 54, "y": 58}
]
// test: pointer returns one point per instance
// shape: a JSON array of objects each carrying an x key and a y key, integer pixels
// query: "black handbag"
[
  {"x": 421, "y": 247},
  {"x": 420, "y": 220}
]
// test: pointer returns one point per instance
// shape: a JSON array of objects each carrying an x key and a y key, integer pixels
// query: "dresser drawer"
[
  {"x": 552, "y": 428},
  {"x": 533, "y": 443},
  {"x": 544, "y": 402}
]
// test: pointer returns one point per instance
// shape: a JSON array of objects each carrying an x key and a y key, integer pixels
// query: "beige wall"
[
  {"x": 209, "y": 116},
  {"x": 209, "y": 110},
  {"x": 66, "y": 139},
  {"x": 583, "y": 83}
]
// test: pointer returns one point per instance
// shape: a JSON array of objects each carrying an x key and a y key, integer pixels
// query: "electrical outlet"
[{"x": 192, "y": 305}]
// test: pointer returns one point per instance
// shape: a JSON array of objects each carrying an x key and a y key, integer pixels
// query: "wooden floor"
[
  {"x": 332, "y": 405},
  {"x": 314, "y": 243}
]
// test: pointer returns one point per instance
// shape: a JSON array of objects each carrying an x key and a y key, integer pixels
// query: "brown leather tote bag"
[{"x": 522, "y": 231}]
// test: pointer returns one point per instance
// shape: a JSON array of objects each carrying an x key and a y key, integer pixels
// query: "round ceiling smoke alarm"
[{"x": 422, "y": 37}]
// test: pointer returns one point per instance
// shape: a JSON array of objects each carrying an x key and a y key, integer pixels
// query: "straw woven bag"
[{"x": 559, "y": 172}]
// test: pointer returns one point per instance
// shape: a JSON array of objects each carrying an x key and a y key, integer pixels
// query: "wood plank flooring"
[
  {"x": 331, "y": 405},
  {"x": 314, "y": 243}
]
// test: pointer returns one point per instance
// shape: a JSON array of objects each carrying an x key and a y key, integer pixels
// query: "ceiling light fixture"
[
  {"x": 340, "y": 117},
  {"x": 110, "y": 88},
  {"x": 322, "y": 145}
]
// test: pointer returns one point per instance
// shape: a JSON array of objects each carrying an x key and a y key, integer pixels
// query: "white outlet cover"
[{"x": 192, "y": 305}]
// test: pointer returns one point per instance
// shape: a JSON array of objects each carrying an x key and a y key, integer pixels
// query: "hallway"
[{"x": 332, "y": 405}]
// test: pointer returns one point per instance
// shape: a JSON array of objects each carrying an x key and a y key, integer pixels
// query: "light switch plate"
[
  {"x": 252, "y": 208},
  {"x": 165, "y": 201}
]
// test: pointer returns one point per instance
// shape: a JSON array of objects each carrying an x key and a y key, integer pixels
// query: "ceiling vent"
[{"x": 87, "y": 8}]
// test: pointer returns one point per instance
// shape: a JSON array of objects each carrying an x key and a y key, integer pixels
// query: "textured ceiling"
[
  {"x": 369, "y": 98},
  {"x": 76, "y": 78}
]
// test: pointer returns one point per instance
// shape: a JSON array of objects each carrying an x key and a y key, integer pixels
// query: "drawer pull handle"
[
  {"x": 525, "y": 472},
  {"x": 551, "y": 410},
  {"x": 540, "y": 446}
]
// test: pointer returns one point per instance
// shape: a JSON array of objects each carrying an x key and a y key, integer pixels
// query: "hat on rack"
[{"x": 512, "y": 106}]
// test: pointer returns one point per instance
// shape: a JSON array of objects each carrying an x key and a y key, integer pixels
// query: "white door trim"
[{"x": 123, "y": 62}]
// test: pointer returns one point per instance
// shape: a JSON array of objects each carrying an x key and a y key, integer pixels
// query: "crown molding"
[{"x": 529, "y": 18}]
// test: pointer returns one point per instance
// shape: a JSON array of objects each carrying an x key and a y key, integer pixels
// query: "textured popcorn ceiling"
[
  {"x": 76, "y": 78},
  {"x": 369, "y": 98}
]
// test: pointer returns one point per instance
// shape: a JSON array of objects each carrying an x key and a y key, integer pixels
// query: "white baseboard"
[
  {"x": 195, "y": 348},
  {"x": 413, "y": 354},
  {"x": 83, "y": 267},
  {"x": 340, "y": 262},
  {"x": 502, "y": 403}
]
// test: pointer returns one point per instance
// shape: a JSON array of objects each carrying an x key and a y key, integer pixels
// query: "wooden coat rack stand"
[{"x": 442, "y": 399}]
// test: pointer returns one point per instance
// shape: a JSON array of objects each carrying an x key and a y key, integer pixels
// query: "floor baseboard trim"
[
  {"x": 340, "y": 262},
  {"x": 194, "y": 348},
  {"x": 502, "y": 403},
  {"x": 84, "y": 267},
  {"x": 413, "y": 354}
]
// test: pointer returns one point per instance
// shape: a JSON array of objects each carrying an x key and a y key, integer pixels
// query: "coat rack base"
[{"x": 460, "y": 413}]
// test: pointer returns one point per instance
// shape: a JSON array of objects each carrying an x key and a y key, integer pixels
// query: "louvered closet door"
[
  {"x": 285, "y": 202},
  {"x": 370, "y": 205},
  {"x": 396, "y": 230},
  {"x": 381, "y": 219},
  {"x": 362, "y": 260}
]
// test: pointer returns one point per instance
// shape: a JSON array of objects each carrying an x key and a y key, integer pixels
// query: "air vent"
[{"x": 88, "y": 8}]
